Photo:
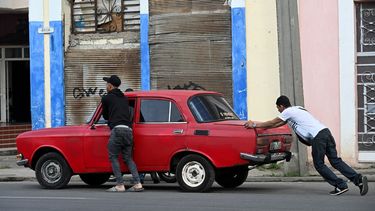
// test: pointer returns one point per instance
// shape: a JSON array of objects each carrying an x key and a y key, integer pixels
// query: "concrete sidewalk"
[{"x": 9, "y": 171}]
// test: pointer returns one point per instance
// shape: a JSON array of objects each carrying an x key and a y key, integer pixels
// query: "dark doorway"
[{"x": 19, "y": 91}]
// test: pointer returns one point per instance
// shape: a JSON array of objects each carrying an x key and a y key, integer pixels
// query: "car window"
[
  {"x": 159, "y": 111},
  {"x": 211, "y": 108},
  {"x": 101, "y": 120}
]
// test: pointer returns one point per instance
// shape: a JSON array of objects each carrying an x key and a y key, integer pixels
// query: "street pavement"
[
  {"x": 286, "y": 196},
  {"x": 9, "y": 171},
  {"x": 264, "y": 189}
]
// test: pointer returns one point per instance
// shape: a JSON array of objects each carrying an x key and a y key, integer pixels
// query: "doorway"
[
  {"x": 18, "y": 92},
  {"x": 15, "y": 85}
]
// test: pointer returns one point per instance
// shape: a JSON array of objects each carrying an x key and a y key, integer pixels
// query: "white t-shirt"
[{"x": 302, "y": 122}]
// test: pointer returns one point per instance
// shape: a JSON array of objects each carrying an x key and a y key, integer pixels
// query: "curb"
[
  {"x": 16, "y": 179},
  {"x": 8, "y": 151}
]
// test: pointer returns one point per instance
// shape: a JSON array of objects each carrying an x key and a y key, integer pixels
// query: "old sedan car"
[{"x": 192, "y": 134}]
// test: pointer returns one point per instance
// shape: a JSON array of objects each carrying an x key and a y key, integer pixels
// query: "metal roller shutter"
[
  {"x": 84, "y": 72},
  {"x": 190, "y": 45}
]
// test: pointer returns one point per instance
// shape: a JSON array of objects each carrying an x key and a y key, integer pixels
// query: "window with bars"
[{"x": 100, "y": 16}]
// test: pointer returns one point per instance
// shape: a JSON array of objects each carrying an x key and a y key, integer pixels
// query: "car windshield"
[{"x": 211, "y": 108}]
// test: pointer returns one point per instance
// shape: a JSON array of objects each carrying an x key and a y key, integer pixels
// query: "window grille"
[{"x": 101, "y": 16}]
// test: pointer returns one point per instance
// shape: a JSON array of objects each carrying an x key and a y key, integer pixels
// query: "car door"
[
  {"x": 95, "y": 144},
  {"x": 159, "y": 131}
]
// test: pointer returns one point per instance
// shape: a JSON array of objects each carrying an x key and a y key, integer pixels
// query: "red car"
[{"x": 192, "y": 134}]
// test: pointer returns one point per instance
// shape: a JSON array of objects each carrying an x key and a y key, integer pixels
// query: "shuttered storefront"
[
  {"x": 84, "y": 72},
  {"x": 190, "y": 45}
]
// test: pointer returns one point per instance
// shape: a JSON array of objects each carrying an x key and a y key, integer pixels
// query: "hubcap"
[
  {"x": 193, "y": 174},
  {"x": 51, "y": 171}
]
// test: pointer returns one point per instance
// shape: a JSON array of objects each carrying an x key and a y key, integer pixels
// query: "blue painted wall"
[
  {"x": 145, "y": 54},
  {"x": 57, "y": 75},
  {"x": 36, "y": 75},
  {"x": 239, "y": 62}
]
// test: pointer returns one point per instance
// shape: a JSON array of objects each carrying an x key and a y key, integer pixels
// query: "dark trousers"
[
  {"x": 121, "y": 141},
  {"x": 324, "y": 145}
]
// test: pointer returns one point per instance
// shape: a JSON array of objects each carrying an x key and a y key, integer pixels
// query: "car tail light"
[{"x": 262, "y": 143}]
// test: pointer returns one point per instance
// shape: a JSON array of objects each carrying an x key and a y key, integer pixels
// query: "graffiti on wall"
[
  {"x": 79, "y": 92},
  {"x": 190, "y": 86}
]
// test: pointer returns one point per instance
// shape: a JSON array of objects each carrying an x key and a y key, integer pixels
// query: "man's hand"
[{"x": 250, "y": 124}]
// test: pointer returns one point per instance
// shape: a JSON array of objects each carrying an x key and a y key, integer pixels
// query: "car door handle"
[{"x": 178, "y": 131}]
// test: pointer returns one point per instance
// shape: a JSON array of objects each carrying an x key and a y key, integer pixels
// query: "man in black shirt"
[{"x": 116, "y": 111}]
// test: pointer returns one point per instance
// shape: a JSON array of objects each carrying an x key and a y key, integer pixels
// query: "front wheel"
[
  {"x": 195, "y": 174},
  {"x": 94, "y": 179},
  {"x": 52, "y": 171},
  {"x": 232, "y": 177}
]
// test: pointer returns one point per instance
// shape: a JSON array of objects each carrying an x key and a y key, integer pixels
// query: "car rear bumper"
[{"x": 269, "y": 158}]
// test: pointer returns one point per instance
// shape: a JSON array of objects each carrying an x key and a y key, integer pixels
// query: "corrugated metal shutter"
[
  {"x": 190, "y": 45},
  {"x": 84, "y": 72}
]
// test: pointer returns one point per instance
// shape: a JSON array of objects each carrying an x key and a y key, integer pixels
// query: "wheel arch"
[
  {"x": 179, "y": 155},
  {"x": 42, "y": 151}
]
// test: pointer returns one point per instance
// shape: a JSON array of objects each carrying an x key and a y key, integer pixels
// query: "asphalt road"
[{"x": 28, "y": 195}]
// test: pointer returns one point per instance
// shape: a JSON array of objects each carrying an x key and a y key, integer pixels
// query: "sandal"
[
  {"x": 134, "y": 189},
  {"x": 114, "y": 189}
]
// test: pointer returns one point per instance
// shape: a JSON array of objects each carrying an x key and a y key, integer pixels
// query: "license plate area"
[{"x": 275, "y": 145}]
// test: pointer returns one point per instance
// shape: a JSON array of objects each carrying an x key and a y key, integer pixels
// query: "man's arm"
[{"x": 277, "y": 122}]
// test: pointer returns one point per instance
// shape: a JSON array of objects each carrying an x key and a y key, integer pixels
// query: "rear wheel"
[
  {"x": 168, "y": 177},
  {"x": 232, "y": 177},
  {"x": 94, "y": 179},
  {"x": 195, "y": 174},
  {"x": 52, "y": 171}
]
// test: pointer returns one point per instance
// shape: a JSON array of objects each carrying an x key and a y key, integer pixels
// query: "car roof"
[{"x": 168, "y": 93}]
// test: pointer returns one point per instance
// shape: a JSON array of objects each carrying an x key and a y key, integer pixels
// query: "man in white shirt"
[{"x": 313, "y": 133}]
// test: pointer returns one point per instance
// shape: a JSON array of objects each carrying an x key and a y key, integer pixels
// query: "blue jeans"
[
  {"x": 324, "y": 145},
  {"x": 121, "y": 141}
]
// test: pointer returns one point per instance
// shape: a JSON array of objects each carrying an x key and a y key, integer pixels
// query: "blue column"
[
  {"x": 57, "y": 75},
  {"x": 56, "y": 53},
  {"x": 145, "y": 50},
  {"x": 239, "y": 58},
  {"x": 36, "y": 74}
]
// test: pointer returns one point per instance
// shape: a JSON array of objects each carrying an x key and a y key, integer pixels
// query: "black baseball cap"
[{"x": 114, "y": 80}]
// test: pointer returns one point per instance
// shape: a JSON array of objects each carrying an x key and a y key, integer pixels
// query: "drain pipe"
[{"x": 47, "y": 65}]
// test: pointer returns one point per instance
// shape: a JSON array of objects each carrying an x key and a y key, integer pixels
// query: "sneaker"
[
  {"x": 363, "y": 187},
  {"x": 338, "y": 191}
]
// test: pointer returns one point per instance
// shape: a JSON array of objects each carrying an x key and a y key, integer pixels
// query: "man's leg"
[
  {"x": 114, "y": 149},
  {"x": 319, "y": 146},
  {"x": 345, "y": 169},
  {"x": 127, "y": 154},
  {"x": 337, "y": 162}
]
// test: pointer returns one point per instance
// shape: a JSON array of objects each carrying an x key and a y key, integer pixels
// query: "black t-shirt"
[{"x": 116, "y": 108}]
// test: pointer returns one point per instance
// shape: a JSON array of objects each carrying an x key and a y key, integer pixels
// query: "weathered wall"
[
  {"x": 263, "y": 59},
  {"x": 190, "y": 45},
  {"x": 92, "y": 56},
  {"x": 319, "y": 34}
]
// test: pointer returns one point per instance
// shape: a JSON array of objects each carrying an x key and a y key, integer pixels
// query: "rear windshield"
[{"x": 211, "y": 108}]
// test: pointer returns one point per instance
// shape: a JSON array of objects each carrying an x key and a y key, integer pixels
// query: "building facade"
[{"x": 320, "y": 53}]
